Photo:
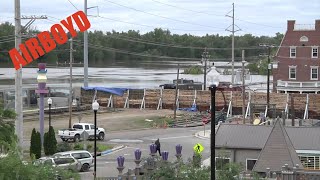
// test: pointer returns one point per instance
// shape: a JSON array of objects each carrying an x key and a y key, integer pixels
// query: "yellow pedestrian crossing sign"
[{"x": 198, "y": 148}]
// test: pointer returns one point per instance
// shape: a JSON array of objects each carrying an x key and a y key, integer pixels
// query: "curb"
[
  {"x": 206, "y": 163},
  {"x": 112, "y": 150},
  {"x": 200, "y": 137}
]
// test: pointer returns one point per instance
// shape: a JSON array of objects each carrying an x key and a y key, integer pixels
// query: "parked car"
[
  {"x": 76, "y": 133},
  {"x": 84, "y": 157},
  {"x": 62, "y": 162}
]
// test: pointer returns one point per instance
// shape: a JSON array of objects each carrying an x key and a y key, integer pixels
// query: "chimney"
[
  {"x": 291, "y": 25},
  {"x": 317, "y": 25}
]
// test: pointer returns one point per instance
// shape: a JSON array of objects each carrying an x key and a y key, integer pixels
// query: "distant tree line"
[{"x": 107, "y": 48}]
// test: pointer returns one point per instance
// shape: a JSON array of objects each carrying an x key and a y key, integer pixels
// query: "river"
[{"x": 150, "y": 76}]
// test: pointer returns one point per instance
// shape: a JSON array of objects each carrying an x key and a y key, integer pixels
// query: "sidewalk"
[{"x": 204, "y": 135}]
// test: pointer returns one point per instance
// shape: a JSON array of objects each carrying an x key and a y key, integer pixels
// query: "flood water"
[{"x": 150, "y": 76}]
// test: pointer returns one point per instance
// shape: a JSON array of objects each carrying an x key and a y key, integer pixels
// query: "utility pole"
[
  {"x": 232, "y": 81},
  {"x": 85, "y": 50},
  {"x": 18, "y": 77},
  {"x": 243, "y": 89},
  {"x": 292, "y": 111},
  {"x": 232, "y": 56},
  {"x": 205, "y": 57},
  {"x": 232, "y": 31},
  {"x": 176, "y": 95},
  {"x": 268, "y": 75},
  {"x": 70, "y": 89}
]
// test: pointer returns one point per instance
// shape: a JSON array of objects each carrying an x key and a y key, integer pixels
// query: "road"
[{"x": 169, "y": 138}]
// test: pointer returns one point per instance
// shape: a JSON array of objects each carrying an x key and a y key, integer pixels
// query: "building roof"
[
  {"x": 277, "y": 151},
  {"x": 239, "y": 136}
]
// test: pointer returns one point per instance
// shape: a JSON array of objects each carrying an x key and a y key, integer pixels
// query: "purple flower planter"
[
  {"x": 178, "y": 149},
  {"x": 42, "y": 66},
  {"x": 153, "y": 148},
  {"x": 120, "y": 160},
  {"x": 42, "y": 86},
  {"x": 165, "y": 155},
  {"x": 137, "y": 154}
]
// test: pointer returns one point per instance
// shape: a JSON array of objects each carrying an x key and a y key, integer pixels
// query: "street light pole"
[
  {"x": 95, "y": 107},
  {"x": 213, "y": 89},
  {"x": 49, "y": 103}
]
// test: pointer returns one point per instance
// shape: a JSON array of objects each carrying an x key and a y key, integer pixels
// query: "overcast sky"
[{"x": 197, "y": 17}]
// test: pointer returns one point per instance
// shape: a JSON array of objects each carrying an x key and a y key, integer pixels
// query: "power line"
[
  {"x": 146, "y": 55},
  {"x": 201, "y": 12},
  {"x": 144, "y": 25},
  {"x": 177, "y": 20},
  {"x": 73, "y": 5}
]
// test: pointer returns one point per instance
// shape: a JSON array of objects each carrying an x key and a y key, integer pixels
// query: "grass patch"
[
  {"x": 157, "y": 121},
  {"x": 90, "y": 146}
]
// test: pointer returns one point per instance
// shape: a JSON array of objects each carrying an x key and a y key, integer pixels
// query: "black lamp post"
[
  {"x": 95, "y": 107},
  {"x": 49, "y": 103},
  {"x": 213, "y": 89}
]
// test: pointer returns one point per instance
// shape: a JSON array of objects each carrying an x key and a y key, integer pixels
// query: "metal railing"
[{"x": 298, "y": 84}]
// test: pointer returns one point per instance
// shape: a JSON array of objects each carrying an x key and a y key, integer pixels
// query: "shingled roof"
[
  {"x": 277, "y": 151},
  {"x": 239, "y": 136}
]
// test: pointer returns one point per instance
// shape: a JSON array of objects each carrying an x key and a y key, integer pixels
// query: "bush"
[
  {"x": 63, "y": 146},
  {"x": 50, "y": 146},
  {"x": 35, "y": 144},
  {"x": 13, "y": 168},
  {"x": 78, "y": 146},
  {"x": 180, "y": 171},
  {"x": 46, "y": 143},
  {"x": 193, "y": 70}
]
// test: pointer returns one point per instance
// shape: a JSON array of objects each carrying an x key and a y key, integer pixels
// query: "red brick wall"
[{"x": 303, "y": 59}]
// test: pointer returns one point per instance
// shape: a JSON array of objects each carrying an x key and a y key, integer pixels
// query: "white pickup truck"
[{"x": 78, "y": 131}]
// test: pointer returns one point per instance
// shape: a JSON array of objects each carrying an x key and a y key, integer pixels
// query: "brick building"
[{"x": 297, "y": 61}]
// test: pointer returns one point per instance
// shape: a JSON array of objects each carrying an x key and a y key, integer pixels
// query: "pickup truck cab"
[{"x": 78, "y": 131}]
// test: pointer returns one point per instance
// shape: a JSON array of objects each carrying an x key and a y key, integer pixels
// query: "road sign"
[{"x": 198, "y": 148}]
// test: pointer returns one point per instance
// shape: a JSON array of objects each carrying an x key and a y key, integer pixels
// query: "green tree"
[
  {"x": 46, "y": 142},
  {"x": 50, "y": 142},
  {"x": 35, "y": 145}
]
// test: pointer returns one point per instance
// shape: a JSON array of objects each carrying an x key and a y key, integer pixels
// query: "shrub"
[
  {"x": 193, "y": 70},
  {"x": 52, "y": 141},
  {"x": 35, "y": 145},
  {"x": 78, "y": 146},
  {"x": 63, "y": 146},
  {"x": 46, "y": 142},
  {"x": 13, "y": 168}
]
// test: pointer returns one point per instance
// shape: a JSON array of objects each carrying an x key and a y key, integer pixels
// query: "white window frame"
[
  {"x": 295, "y": 51},
  {"x": 312, "y": 48},
  {"x": 249, "y": 160},
  {"x": 220, "y": 158},
  {"x": 314, "y": 67},
  {"x": 293, "y": 67}
]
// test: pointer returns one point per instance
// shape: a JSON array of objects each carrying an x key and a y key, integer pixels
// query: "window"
[
  {"x": 59, "y": 161},
  {"x": 314, "y": 52},
  {"x": 76, "y": 155},
  {"x": 48, "y": 162},
  {"x": 292, "y": 72},
  {"x": 292, "y": 52},
  {"x": 221, "y": 163},
  {"x": 304, "y": 39},
  {"x": 77, "y": 126},
  {"x": 85, "y": 155},
  {"x": 92, "y": 126},
  {"x": 86, "y": 127},
  {"x": 310, "y": 162},
  {"x": 314, "y": 73},
  {"x": 250, "y": 164}
]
